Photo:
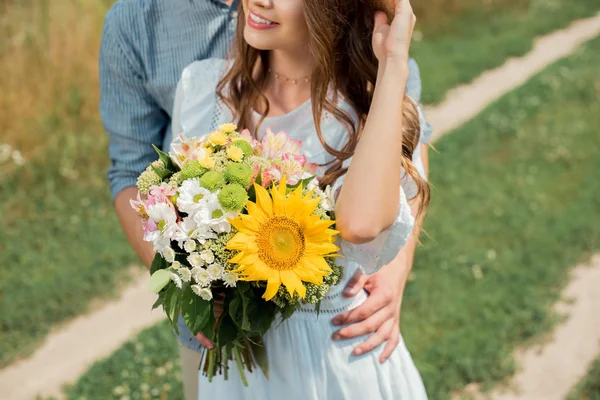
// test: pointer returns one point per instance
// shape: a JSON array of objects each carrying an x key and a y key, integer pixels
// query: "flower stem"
[
  {"x": 238, "y": 361},
  {"x": 211, "y": 363}
]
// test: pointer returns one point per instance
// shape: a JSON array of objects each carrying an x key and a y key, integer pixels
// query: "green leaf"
[
  {"x": 162, "y": 172},
  {"x": 302, "y": 182},
  {"x": 208, "y": 328},
  {"x": 159, "y": 280},
  {"x": 195, "y": 310},
  {"x": 172, "y": 305},
  {"x": 227, "y": 331},
  {"x": 166, "y": 159},
  {"x": 260, "y": 355},
  {"x": 160, "y": 301},
  {"x": 234, "y": 308},
  {"x": 158, "y": 263}
]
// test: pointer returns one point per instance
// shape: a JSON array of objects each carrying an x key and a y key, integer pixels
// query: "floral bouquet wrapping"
[{"x": 242, "y": 223}]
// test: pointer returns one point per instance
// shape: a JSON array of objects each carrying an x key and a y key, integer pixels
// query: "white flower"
[
  {"x": 169, "y": 254},
  {"x": 214, "y": 216},
  {"x": 186, "y": 274},
  {"x": 195, "y": 260},
  {"x": 192, "y": 197},
  {"x": 176, "y": 265},
  {"x": 202, "y": 276},
  {"x": 207, "y": 256},
  {"x": 229, "y": 279},
  {"x": 327, "y": 200},
  {"x": 196, "y": 289},
  {"x": 165, "y": 217},
  {"x": 215, "y": 270},
  {"x": 160, "y": 242},
  {"x": 206, "y": 294},
  {"x": 17, "y": 158},
  {"x": 190, "y": 246},
  {"x": 177, "y": 280},
  {"x": 5, "y": 152},
  {"x": 312, "y": 185},
  {"x": 188, "y": 230}
]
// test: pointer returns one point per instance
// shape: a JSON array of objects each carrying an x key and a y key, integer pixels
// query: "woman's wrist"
[{"x": 396, "y": 67}]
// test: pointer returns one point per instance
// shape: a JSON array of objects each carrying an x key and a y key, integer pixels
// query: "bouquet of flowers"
[{"x": 243, "y": 223}]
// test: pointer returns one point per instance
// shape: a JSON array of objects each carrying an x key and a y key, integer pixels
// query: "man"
[{"x": 145, "y": 46}]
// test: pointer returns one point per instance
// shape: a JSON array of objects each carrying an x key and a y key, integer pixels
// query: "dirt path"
[
  {"x": 465, "y": 102},
  {"x": 69, "y": 352},
  {"x": 550, "y": 371}
]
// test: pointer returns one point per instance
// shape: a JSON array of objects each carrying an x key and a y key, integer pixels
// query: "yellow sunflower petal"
[
  {"x": 263, "y": 200},
  {"x": 272, "y": 286},
  {"x": 256, "y": 212},
  {"x": 292, "y": 283}
]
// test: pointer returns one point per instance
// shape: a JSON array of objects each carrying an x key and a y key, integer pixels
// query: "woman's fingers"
[{"x": 401, "y": 29}]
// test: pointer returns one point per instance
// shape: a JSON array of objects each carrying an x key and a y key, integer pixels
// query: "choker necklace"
[{"x": 290, "y": 80}]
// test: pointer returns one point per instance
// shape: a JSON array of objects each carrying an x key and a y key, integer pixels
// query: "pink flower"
[
  {"x": 149, "y": 226},
  {"x": 138, "y": 205},
  {"x": 268, "y": 175},
  {"x": 247, "y": 136},
  {"x": 164, "y": 189},
  {"x": 310, "y": 167},
  {"x": 184, "y": 149},
  {"x": 300, "y": 159},
  {"x": 276, "y": 145}
]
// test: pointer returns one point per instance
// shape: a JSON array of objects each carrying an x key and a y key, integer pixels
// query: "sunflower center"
[{"x": 281, "y": 243}]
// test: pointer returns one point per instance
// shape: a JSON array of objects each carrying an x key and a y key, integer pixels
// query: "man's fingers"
[
  {"x": 365, "y": 310},
  {"x": 391, "y": 344},
  {"x": 355, "y": 284},
  {"x": 369, "y": 325},
  {"x": 204, "y": 341},
  {"x": 375, "y": 340}
]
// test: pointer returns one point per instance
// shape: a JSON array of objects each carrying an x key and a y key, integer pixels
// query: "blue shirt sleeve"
[
  {"x": 413, "y": 89},
  {"x": 131, "y": 117}
]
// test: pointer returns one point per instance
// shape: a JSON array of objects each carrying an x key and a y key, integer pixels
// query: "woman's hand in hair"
[{"x": 393, "y": 40}]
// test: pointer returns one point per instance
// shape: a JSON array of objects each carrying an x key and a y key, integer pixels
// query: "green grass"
[
  {"x": 144, "y": 368},
  {"x": 481, "y": 35},
  {"x": 589, "y": 387},
  {"x": 60, "y": 243},
  {"x": 61, "y": 246},
  {"x": 514, "y": 206}
]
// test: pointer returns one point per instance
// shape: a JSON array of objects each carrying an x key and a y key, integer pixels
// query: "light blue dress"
[{"x": 304, "y": 362}]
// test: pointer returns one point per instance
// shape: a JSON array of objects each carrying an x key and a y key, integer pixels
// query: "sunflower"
[{"x": 281, "y": 241}]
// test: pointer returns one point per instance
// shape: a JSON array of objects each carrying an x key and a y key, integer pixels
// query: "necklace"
[{"x": 286, "y": 79}]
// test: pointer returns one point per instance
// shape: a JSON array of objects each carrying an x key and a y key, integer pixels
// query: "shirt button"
[{"x": 234, "y": 15}]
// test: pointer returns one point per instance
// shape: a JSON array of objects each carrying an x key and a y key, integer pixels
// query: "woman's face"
[{"x": 275, "y": 24}]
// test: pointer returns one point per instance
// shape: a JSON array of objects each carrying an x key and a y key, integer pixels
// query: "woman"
[{"x": 328, "y": 73}]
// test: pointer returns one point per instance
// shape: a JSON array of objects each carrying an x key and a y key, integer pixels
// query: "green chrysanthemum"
[
  {"x": 245, "y": 146},
  {"x": 212, "y": 180},
  {"x": 238, "y": 173},
  {"x": 192, "y": 169},
  {"x": 147, "y": 179},
  {"x": 233, "y": 197}
]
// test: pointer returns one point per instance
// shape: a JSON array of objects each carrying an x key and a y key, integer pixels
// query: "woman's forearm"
[{"x": 368, "y": 201}]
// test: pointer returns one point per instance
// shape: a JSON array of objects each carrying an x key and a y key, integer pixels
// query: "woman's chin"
[{"x": 259, "y": 40}]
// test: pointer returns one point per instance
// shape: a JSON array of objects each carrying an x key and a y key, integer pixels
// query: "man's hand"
[{"x": 380, "y": 313}]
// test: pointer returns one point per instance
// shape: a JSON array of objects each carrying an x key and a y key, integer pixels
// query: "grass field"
[
  {"x": 61, "y": 246},
  {"x": 589, "y": 387},
  {"x": 515, "y": 207}
]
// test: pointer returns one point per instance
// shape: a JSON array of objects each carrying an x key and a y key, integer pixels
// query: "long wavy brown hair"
[{"x": 340, "y": 33}]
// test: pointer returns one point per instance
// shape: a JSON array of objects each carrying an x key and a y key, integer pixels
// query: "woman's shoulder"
[
  {"x": 202, "y": 73},
  {"x": 195, "y": 96}
]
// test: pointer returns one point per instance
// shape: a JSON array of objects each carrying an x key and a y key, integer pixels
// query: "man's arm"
[{"x": 133, "y": 122}]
